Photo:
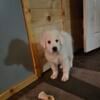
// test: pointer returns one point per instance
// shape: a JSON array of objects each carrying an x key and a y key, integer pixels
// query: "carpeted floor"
[
  {"x": 56, "y": 92},
  {"x": 84, "y": 82}
]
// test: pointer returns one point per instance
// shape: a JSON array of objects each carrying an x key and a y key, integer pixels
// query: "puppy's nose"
[{"x": 54, "y": 49}]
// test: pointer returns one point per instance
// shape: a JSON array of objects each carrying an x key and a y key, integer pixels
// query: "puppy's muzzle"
[{"x": 54, "y": 49}]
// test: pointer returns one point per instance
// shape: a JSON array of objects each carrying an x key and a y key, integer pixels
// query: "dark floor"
[{"x": 84, "y": 80}]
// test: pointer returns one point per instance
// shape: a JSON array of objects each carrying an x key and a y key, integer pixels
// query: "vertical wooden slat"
[{"x": 27, "y": 15}]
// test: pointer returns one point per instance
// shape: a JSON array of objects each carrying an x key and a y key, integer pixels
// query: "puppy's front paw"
[
  {"x": 54, "y": 75},
  {"x": 65, "y": 77}
]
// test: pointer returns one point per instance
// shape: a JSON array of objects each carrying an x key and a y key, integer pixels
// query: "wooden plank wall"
[{"x": 45, "y": 15}]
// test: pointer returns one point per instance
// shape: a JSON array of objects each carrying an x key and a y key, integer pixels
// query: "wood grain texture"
[
  {"x": 16, "y": 88},
  {"x": 66, "y": 15},
  {"x": 44, "y": 4}
]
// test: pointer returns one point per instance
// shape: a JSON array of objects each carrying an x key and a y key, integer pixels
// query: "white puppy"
[{"x": 58, "y": 50}]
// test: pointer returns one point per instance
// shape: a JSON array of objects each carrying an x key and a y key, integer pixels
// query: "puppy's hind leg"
[
  {"x": 54, "y": 71},
  {"x": 70, "y": 56},
  {"x": 66, "y": 70},
  {"x": 71, "y": 61}
]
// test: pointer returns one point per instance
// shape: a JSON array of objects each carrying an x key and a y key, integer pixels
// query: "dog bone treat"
[{"x": 43, "y": 96}]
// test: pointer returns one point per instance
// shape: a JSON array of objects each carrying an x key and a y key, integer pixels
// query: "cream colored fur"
[{"x": 64, "y": 55}]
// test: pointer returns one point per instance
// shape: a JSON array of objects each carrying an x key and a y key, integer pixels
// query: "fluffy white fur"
[{"x": 63, "y": 55}]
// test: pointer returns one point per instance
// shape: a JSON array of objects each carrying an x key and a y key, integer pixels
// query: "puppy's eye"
[
  {"x": 56, "y": 40},
  {"x": 49, "y": 42}
]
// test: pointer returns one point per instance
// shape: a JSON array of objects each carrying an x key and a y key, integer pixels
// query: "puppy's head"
[{"x": 52, "y": 41}]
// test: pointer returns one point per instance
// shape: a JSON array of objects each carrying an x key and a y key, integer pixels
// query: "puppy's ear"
[{"x": 42, "y": 40}]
